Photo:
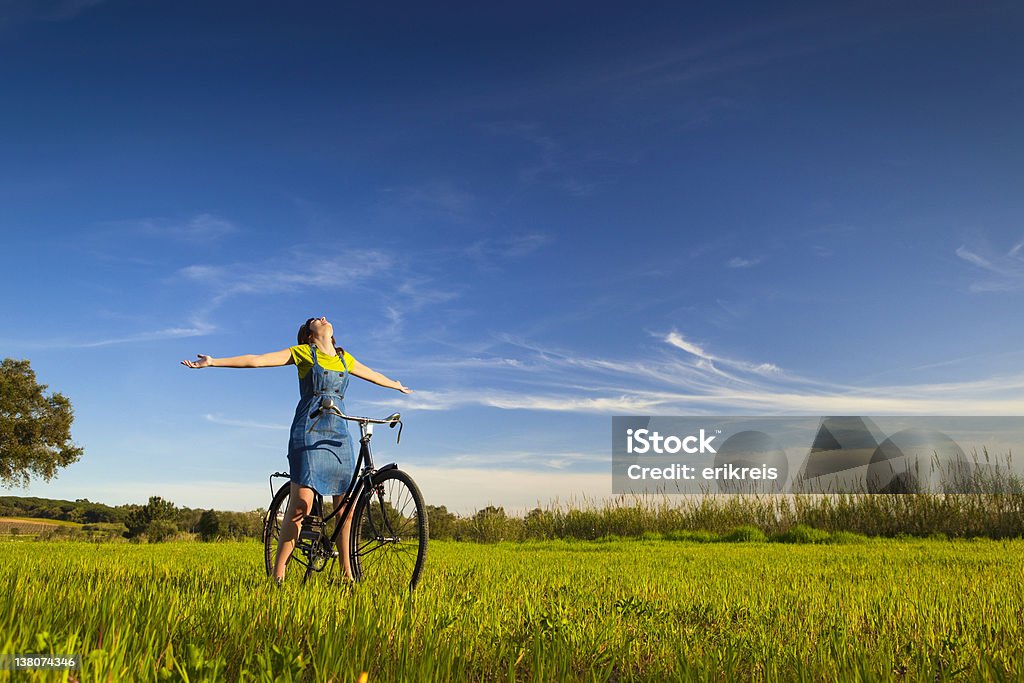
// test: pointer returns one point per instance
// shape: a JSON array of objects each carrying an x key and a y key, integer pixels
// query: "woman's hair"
[{"x": 304, "y": 334}]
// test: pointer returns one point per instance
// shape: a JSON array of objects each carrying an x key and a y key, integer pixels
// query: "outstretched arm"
[
  {"x": 264, "y": 360},
  {"x": 363, "y": 372}
]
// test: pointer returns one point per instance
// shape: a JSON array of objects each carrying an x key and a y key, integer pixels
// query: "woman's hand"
[
  {"x": 370, "y": 375},
  {"x": 201, "y": 362}
]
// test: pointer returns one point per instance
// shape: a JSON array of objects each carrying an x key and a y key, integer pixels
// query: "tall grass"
[
  {"x": 985, "y": 499},
  {"x": 539, "y": 611},
  {"x": 996, "y": 516}
]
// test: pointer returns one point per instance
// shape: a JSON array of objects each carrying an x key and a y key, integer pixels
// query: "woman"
[{"x": 320, "y": 452}]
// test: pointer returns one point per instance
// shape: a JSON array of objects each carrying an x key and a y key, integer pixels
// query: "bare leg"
[
  {"x": 343, "y": 539},
  {"x": 300, "y": 502}
]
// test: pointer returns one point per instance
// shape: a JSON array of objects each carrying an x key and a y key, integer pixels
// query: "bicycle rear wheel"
[
  {"x": 313, "y": 554},
  {"x": 272, "y": 523},
  {"x": 389, "y": 531}
]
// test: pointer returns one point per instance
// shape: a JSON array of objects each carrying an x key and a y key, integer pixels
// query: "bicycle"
[{"x": 389, "y": 527}]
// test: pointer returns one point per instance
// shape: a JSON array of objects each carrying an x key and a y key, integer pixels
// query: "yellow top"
[{"x": 304, "y": 360}]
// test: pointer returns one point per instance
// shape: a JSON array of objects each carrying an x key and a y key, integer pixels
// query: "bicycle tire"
[
  {"x": 272, "y": 527},
  {"x": 388, "y": 540},
  {"x": 300, "y": 555}
]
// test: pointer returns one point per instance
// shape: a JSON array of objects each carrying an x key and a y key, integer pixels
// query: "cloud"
[
  {"x": 541, "y": 459},
  {"x": 741, "y": 262},
  {"x": 297, "y": 273},
  {"x": 550, "y": 163},
  {"x": 675, "y": 339},
  {"x": 489, "y": 253},
  {"x": 204, "y": 226},
  {"x": 245, "y": 424},
  {"x": 196, "y": 329},
  {"x": 1003, "y": 272},
  {"x": 521, "y": 245},
  {"x": 702, "y": 382},
  {"x": 626, "y": 403},
  {"x": 420, "y": 292},
  {"x": 971, "y": 257},
  {"x": 437, "y": 197},
  {"x": 414, "y": 294}
]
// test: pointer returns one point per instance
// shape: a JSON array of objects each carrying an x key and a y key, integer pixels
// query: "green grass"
[{"x": 921, "y": 610}]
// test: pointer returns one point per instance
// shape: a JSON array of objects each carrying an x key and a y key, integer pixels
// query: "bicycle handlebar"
[
  {"x": 392, "y": 420},
  {"x": 327, "y": 403}
]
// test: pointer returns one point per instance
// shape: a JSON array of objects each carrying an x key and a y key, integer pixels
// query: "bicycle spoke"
[{"x": 390, "y": 541}]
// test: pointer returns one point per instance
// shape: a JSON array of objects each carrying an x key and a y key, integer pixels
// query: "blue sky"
[{"x": 535, "y": 216}]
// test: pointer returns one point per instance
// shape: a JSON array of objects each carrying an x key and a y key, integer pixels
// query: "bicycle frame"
[{"x": 362, "y": 479}]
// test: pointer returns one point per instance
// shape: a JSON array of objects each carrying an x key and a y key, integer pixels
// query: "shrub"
[
  {"x": 745, "y": 534},
  {"x": 160, "y": 530},
  {"x": 802, "y": 533},
  {"x": 692, "y": 536}
]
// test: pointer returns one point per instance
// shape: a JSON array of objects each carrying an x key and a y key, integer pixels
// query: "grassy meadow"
[{"x": 859, "y": 609}]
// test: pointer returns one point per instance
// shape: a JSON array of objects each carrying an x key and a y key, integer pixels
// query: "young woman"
[{"x": 320, "y": 451}]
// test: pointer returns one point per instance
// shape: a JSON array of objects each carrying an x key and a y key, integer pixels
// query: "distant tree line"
[
  {"x": 81, "y": 511},
  {"x": 157, "y": 520},
  {"x": 992, "y": 515}
]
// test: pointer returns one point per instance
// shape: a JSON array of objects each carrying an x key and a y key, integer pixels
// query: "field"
[
  {"x": 615, "y": 610},
  {"x": 24, "y": 525}
]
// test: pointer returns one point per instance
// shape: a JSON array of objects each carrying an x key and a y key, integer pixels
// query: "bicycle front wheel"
[{"x": 389, "y": 531}]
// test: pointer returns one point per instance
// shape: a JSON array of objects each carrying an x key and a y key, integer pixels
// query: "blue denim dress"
[{"x": 320, "y": 452}]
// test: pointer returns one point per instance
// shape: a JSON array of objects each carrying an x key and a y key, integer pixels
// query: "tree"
[
  {"x": 160, "y": 530},
  {"x": 491, "y": 524},
  {"x": 35, "y": 429},
  {"x": 442, "y": 522},
  {"x": 209, "y": 525},
  {"x": 156, "y": 510}
]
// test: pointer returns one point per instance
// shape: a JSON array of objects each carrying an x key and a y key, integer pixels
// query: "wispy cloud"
[
  {"x": 550, "y": 163},
  {"x": 1002, "y": 272},
  {"x": 419, "y": 292},
  {"x": 492, "y": 252},
  {"x": 413, "y": 295},
  {"x": 202, "y": 227},
  {"x": 743, "y": 262},
  {"x": 246, "y": 424},
  {"x": 677, "y": 340},
  {"x": 436, "y": 197},
  {"x": 196, "y": 329},
  {"x": 296, "y": 273},
  {"x": 699, "y": 382},
  {"x": 534, "y": 459}
]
